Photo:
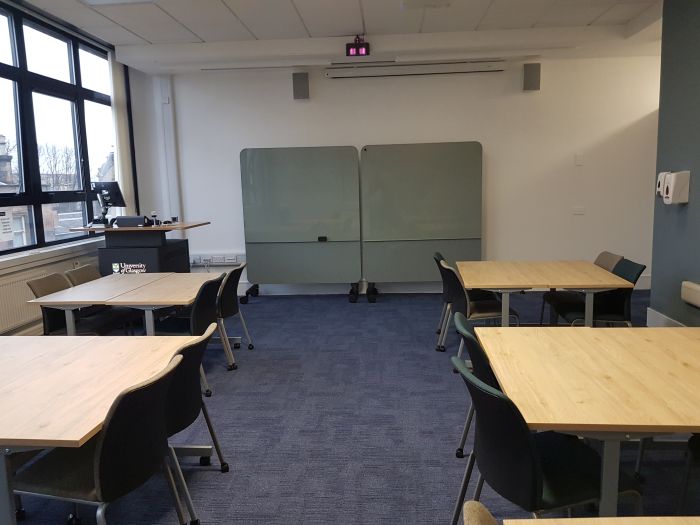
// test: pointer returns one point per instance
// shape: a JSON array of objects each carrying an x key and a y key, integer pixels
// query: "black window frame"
[{"x": 27, "y": 83}]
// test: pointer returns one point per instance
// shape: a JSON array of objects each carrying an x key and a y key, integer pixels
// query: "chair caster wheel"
[
  {"x": 250, "y": 346},
  {"x": 437, "y": 332},
  {"x": 74, "y": 520},
  {"x": 207, "y": 393},
  {"x": 439, "y": 348},
  {"x": 234, "y": 366},
  {"x": 638, "y": 477},
  {"x": 194, "y": 522},
  {"x": 224, "y": 467},
  {"x": 205, "y": 461},
  {"x": 459, "y": 453},
  {"x": 236, "y": 346},
  {"x": 455, "y": 371},
  {"x": 20, "y": 514}
]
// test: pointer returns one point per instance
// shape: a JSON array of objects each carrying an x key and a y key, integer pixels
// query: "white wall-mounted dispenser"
[
  {"x": 690, "y": 293},
  {"x": 676, "y": 187},
  {"x": 660, "y": 180}
]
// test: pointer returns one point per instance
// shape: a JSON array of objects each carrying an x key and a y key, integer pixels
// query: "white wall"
[{"x": 603, "y": 109}]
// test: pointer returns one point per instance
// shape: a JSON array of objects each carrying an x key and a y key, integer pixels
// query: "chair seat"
[
  {"x": 573, "y": 312},
  {"x": 487, "y": 309},
  {"x": 173, "y": 325},
  {"x": 571, "y": 471},
  {"x": 563, "y": 296},
  {"x": 62, "y": 473},
  {"x": 477, "y": 294}
]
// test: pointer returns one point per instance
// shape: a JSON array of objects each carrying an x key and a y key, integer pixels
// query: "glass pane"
[
  {"x": 57, "y": 144},
  {"x": 6, "y": 54},
  {"x": 16, "y": 227},
  {"x": 47, "y": 55},
  {"x": 100, "y": 140},
  {"x": 10, "y": 179},
  {"x": 94, "y": 72},
  {"x": 60, "y": 217}
]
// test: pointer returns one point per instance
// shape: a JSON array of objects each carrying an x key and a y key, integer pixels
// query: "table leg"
[
  {"x": 70, "y": 322},
  {"x": 150, "y": 322},
  {"x": 588, "y": 315},
  {"x": 609, "y": 477},
  {"x": 7, "y": 506},
  {"x": 505, "y": 308}
]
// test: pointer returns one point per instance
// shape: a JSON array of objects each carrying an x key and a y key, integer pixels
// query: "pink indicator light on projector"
[
  {"x": 363, "y": 51},
  {"x": 353, "y": 51}
]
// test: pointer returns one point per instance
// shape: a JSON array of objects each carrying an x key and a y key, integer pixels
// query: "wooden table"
[
  {"x": 636, "y": 520},
  {"x": 56, "y": 392},
  {"x": 145, "y": 291},
  {"x": 610, "y": 384},
  {"x": 515, "y": 276},
  {"x": 178, "y": 226}
]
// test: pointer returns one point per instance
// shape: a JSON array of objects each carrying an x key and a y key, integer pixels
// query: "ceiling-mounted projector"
[{"x": 358, "y": 48}]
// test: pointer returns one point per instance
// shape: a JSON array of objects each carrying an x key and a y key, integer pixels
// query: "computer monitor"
[{"x": 108, "y": 195}]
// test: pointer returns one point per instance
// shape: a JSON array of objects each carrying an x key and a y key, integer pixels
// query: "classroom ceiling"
[{"x": 127, "y": 22}]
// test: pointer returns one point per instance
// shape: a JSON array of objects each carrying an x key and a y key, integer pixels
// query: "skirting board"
[{"x": 658, "y": 320}]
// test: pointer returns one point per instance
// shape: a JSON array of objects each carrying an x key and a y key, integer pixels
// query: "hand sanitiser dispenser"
[
  {"x": 660, "y": 180},
  {"x": 675, "y": 187}
]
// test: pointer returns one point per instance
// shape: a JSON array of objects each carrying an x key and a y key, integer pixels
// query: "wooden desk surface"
[
  {"x": 599, "y": 379},
  {"x": 636, "y": 520},
  {"x": 175, "y": 289},
  {"x": 537, "y": 274},
  {"x": 161, "y": 228},
  {"x": 99, "y": 291},
  {"x": 56, "y": 391}
]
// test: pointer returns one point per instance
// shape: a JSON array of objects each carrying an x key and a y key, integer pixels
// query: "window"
[{"x": 56, "y": 131}]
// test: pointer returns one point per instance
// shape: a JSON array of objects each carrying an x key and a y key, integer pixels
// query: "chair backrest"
[
  {"x": 620, "y": 301},
  {"x": 455, "y": 288},
  {"x": 185, "y": 395},
  {"x": 480, "y": 361},
  {"x": 475, "y": 513},
  {"x": 204, "y": 307},
  {"x": 438, "y": 258},
  {"x": 503, "y": 444},
  {"x": 83, "y": 274},
  {"x": 227, "y": 301},
  {"x": 607, "y": 260},
  {"x": 133, "y": 441},
  {"x": 52, "y": 318}
]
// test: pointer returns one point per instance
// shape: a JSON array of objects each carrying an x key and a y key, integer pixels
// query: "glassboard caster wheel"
[
  {"x": 234, "y": 366},
  {"x": 372, "y": 293},
  {"x": 352, "y": 298},
  {"x": 207, "y": 393},
  {"x": 254, "y": 290},
  {"x": 243, "y": 300},
  {"x": 224, "y": 468},
  {"x": 459, "y": 453},
  {"x": 205, "y": 461},
  {"x": 20, "y": 514},
  {"x": 250, "y": 346},
  {"x": 354, "y": 293},
  {"x": 236, "y": 346},
  {"x": 439, "y": 348}
]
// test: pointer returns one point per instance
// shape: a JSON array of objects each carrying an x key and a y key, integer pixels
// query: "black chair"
[
  {"x": 131, "y": 447},
  {"x": 437, "y": 257},
  {"x": 606, "y": 260},
  {"x": 537, "y": 471},
  {"x": 227, "y": 307},
  {"x": 54, "y": 320},
  {"x": 184, "y": 405},
  {"x": 692, "y": 457},
  {"x": 479, "y": 364},
  {"x": 202, "y": 313},
  {"x": 475, "y": 305},
  {"x": 611, "y": 307}
]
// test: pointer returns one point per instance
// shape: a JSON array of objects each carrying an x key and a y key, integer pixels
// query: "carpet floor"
[{"x": 343, "y": 413}]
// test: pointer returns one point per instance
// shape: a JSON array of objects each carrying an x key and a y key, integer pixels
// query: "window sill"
[{"x": 41, "y": 255}]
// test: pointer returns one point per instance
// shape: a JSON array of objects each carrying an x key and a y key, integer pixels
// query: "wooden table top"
[
  {"x": 176, "y": 289},
  {"x": 519, "y": 275},
  {"x": 99, "y": 291},
  {"x": 599, "y": 379},
  {"x": 635, "y": 520},
  {"x": 161, "y": 228},
  {"x": 56, "y": 391}
]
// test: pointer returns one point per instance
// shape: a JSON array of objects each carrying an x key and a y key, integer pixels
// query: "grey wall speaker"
[
  {"x": 531, "y": 76},
  {"x": 300, "y": 85}
]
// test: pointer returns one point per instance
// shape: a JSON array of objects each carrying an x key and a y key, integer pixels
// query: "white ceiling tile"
[
  {"x": 114, "y": 34},
  {"x": 211, "y": 20},
  {"x": 80, "y": 16},
  {"x": 149, "y": 22},
  {"x": 48, "y": 5},
  {"x": 514, "y": 14},
  {"x": 461, "y": 15},
  {"x": 269, "y": 19},
  {"x": 388, "y": 17},
  {"x": 623, "y": 12},
  {"x": 331, "y": 17},
  {"x": 574, "y": 13}
]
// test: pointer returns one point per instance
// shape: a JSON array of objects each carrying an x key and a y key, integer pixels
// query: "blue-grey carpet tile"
[{"x": 342, "y": 414}]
